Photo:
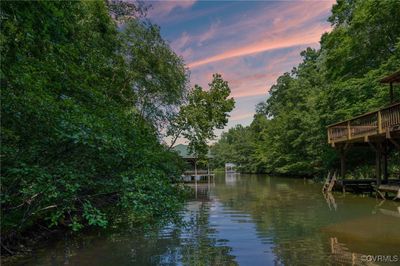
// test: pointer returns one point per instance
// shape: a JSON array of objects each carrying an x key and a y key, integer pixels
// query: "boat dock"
[{"x": 200, "y": 176}]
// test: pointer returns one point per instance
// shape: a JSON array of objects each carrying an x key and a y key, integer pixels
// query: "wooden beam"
[
  {"x": 379, "y": 122},
  {"x": 378, "y": 163},
  {"x": 343, "y": 151},
  {"x": 342, "y": 164},
  {"x": 346, "y": 146},
  {"x": 329, "y": 136},
  {"x": 385, "y": 162},
  {"x": 348, "y": 130},
  {"x": 380, "y": 193},
  {"x": 397, "y": 145},
  {"x": 371, "y": 145}
]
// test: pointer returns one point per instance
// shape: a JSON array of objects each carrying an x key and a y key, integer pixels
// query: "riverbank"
[{"x": 26, "y": 243}]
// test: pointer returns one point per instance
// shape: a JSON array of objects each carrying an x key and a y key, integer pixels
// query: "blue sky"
[{"x": 251, "y": 43}]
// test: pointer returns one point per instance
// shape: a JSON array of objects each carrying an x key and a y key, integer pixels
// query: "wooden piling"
[
  {"x": 378, "y": 166},
  {"x": 342, "y": 163},
  {"x": 385, "y": 162}
]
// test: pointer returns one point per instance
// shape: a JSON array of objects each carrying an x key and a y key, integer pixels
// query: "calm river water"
[{"x": 247, "y": 220}]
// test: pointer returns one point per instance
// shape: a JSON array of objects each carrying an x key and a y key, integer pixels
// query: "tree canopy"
[
  {"x": 333, "y": 83},
  {"x": 203, "y": 112},
  {"x": 88, "y": 90},
  {"x": 83, "y": 97}
]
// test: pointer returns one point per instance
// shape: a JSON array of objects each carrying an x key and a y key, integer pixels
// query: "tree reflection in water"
[
  {"x": 246, "y": 220},
  {"x": 188, "y": 241},
  {"x": 200, "y": 246}
]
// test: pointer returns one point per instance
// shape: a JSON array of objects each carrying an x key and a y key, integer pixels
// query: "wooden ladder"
[
  {"x": 326, "y": 183},
  {"x": 329, "y": 182}
]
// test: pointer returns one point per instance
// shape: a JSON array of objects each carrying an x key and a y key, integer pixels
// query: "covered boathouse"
[
  {"x": 379, "y": 130},
  {"x": 195, "y": 170}
]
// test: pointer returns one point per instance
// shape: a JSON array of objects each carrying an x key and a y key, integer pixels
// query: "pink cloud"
[
  {"x": 269, "y": 29},
  {"x": 246, "y": 80},
  {"x": 247, "y": 48},
  {"x": 181, "y": 42},
  {"x": 179, "y": 17},
  {"x": 164, "y": 8},
  {"x": 311, "y": 35},
  {"x": 241, "y": 116},
  {"x": 209, "y": 34}
]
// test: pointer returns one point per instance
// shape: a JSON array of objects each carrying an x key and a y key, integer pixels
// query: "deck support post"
[
  {"x": 378, "y": 165},
  {"x": 395, "y": 143},
  {"x": 343, "y": 150},
  {"x": 385, "y": 162},
  {"x": 378, "y": 160},
  {"x": 342, "y": 163}
]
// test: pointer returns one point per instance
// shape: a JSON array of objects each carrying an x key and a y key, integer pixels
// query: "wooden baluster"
[
  {"x": 348, "y": 130},
  {"x": 329, "y": 135},
  {"x": 379, "y": 122}
]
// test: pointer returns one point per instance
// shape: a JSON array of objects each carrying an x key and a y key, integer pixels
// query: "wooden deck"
[
  {"x": 379, "y": 130},
  {"x": 392, "y": 188},
  {"x": 369, "y": 127},
  {"x": 357, "y": 186}
]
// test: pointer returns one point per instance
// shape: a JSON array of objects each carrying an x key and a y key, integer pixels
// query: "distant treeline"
[{"x": 341, "y": 79}]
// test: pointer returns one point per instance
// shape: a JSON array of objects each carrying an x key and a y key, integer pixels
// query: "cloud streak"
[
  {"x": 164, "y": 8},
  {"x": 292, "y": 27},
  {"x": 245, "y": 78},
  {"x": 263, "y": 46},
  {"x": 250, "y": 43}
]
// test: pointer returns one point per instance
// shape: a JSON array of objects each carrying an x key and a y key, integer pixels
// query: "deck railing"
[{"x": 369, "y": 124}]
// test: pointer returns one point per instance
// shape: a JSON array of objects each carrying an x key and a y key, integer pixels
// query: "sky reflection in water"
[{"x": 245, "y": 220}]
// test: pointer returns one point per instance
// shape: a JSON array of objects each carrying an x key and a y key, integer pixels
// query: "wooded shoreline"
[
  {"x": 339, "y": 81},
  {"x": 87, "y": 104}
]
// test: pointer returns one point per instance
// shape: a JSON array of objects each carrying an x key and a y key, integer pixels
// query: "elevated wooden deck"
[
  {"x": 379, "y": 129},
  {"x": 369, "y": 127}
]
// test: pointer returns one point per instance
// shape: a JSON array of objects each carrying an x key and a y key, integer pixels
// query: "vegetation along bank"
[
  {"x": 335, "y": 82},
  {"x": 89, "y": 90}
]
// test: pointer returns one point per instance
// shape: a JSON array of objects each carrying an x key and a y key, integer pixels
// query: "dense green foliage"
[
  {"x": 155, "y": 73},
  {"x": 78, "y": 127},
  {"x": 203, "y": 112},
  {"x": 336, "y": 82}
]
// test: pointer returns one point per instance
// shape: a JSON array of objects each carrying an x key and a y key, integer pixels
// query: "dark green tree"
[
  {"x": 73, "y": 138},
  {"x": 204, "y": 112},
  {"x": 336, "y": 82}
]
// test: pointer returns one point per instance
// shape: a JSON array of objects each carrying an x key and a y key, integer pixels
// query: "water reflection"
[
  {"x": 341, "y": 255},
  {"x": 231, "y": 177},
  {"x": 245, "y": 220},
  {"x": 330, "y": 200},
  {"x": 394, "y": 213},
  {"x": 201, "y": 190}
]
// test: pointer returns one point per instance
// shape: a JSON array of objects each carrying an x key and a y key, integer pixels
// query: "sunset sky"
[{"x": 250, "y": 43}]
